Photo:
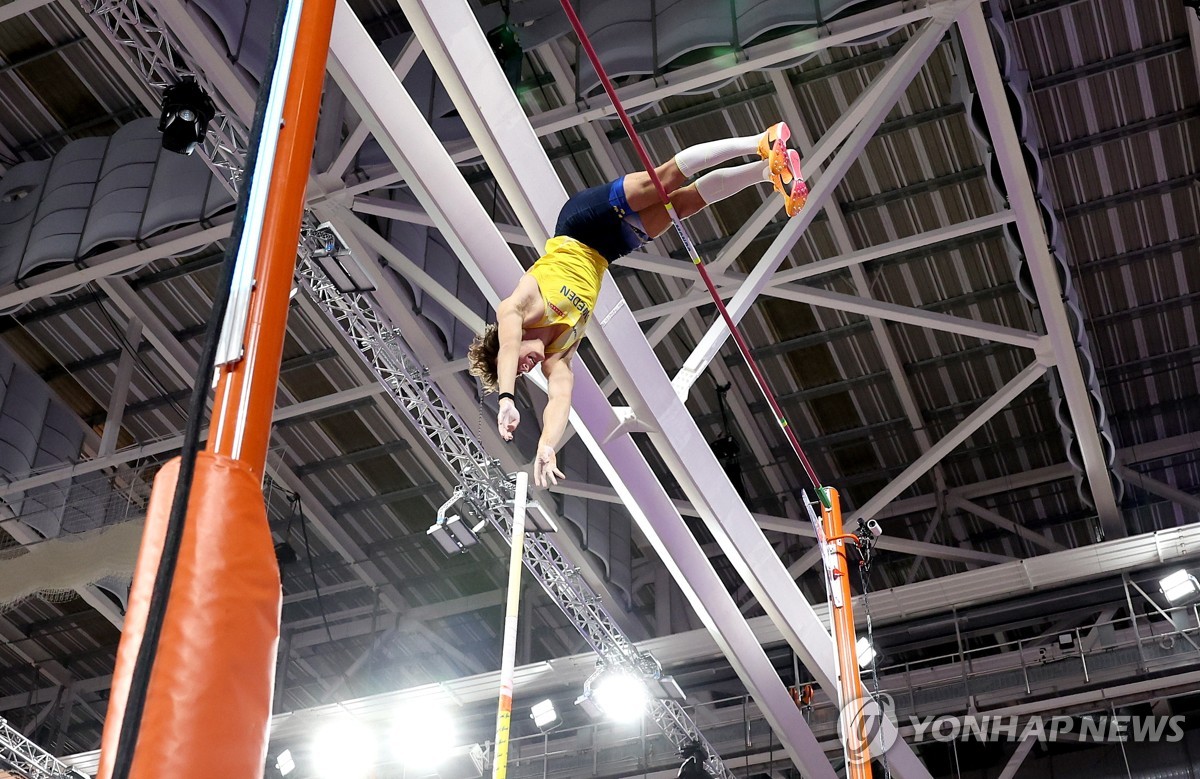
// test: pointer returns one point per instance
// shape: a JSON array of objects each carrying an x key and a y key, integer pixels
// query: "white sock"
[
  {"x": 720, "y": 184},
  {"x": 702, "y": 156}
]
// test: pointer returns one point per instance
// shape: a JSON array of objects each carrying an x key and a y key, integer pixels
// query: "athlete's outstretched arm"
[
  {"x": 560, "y": 384},
  {"x": 510, "y": 319}
]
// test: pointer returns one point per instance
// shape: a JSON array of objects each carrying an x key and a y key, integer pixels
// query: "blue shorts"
[{"x": 601, "y": 218}]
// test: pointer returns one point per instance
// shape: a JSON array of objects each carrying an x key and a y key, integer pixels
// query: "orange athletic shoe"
[
  {"x": 796, "y": 194},
  {"x": 772, "y": 146}
]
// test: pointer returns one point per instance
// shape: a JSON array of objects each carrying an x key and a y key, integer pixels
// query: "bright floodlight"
[
  {"x": 343, "y": 749},
  {"x": 866, "y": 652},
  {"x": 1179, "y": 586},
  {"x": 545, "y": 716},
  {"x": 622, "y": 696},
  {"x": 284, "y": 764},
  {"x": 422, "y": 735}
]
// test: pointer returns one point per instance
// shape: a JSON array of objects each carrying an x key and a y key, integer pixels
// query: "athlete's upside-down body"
[{"x": 543, "y": 321}]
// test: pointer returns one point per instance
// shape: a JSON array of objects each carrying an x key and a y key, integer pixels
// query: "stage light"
[
  {"x": 545, "y": 716},
  {"x": 621, "y": 696},
  {"x": 1179, "y": 586},
  {"x": 452, "y": 534},
  {"x": 186, "y": 112},
  {"x": 422, "y": 735},
  {"x": 866, "y": 652},
  {"x": 507, "y": 47},
  {"x": 693, "y": 763},
  {"x": 285, "y": 764},
  {"x": 343, "y": 749}
]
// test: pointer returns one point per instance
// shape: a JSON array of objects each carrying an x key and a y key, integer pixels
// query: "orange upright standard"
[
  {"x": 855, "y": 742},
  {"x": 208, "y": 701}
]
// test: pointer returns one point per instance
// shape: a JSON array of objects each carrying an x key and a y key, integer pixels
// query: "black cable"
[
  {"x": 863, "y": 568},
  {"x": 298, "y": 509},
  {"x": 143, "y": 668}
]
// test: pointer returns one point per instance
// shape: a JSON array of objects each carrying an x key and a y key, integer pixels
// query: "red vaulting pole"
[
  {"x": 850, "y": 691},
  {"x": 208, "y": 704}
]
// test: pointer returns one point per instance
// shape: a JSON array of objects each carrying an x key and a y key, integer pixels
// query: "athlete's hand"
[
  {"x": 507, "y": 419},
  {"x": 545, "y": 467}
]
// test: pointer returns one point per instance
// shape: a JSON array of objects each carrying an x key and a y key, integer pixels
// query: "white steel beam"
[
  {"x": 358, "y": 136},
  {"x": 1154, "y": 450},
  {"x": 836, "y": 32},
  {"x": 410, "y": 270},
  {"x": 731, "y": 280},
  {"x": 119, "y": 261},
  {"x": 884, "y": 91},
  {"x": 999, "y": 520},
  {"x": 975, "y": 420},
  {"x": 801, "y": 528},
  {"x": 977, "y": 43},
  {"x": 379, "y": 98},
  {"x": 496, "y": 121},
  {"x": 167, "y": 445},
  {"x": 120, "y": 393},
  {"x": 1159, "y": 488},
  {"x": 19, "y": 8},
  {"x": 410, "y": 620},
  {"x": 933, "y": 320}
]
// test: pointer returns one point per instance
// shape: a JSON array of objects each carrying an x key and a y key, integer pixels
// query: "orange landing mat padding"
[{"x": 209, "y": 703}]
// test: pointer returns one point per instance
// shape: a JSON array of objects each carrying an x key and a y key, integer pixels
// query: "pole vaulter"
[
  {"x": 830, "y": 537},
  {"x": 193, "y": 684}
]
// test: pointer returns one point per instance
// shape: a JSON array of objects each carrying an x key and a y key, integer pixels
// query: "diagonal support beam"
[
  {"x": 1018, "y": 758},
  {"x": 999, "y": 520},
  {"x": 884, "y": 92},
  {"x": 975, "y": 420},
  {"x": 977, "y": 44},
  {"x": 780, "y": 280},
  {"x": 801, "y": 528},
  {"x": 1159, "y": 488}
]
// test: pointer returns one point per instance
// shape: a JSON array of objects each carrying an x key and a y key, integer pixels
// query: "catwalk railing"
[{"x": 1028, "y": 672}]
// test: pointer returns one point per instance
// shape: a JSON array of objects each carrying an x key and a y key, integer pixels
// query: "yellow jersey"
[{"x": 569, "y": 276}]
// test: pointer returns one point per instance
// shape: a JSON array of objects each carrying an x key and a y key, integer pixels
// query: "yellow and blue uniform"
[{"x": 569, "y": 276}]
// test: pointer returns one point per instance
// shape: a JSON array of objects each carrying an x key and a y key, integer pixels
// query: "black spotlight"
[
  {"x": 507, "y": 48},
  {"x": 693, "y": 764},
  {"x": 186, "y": 112}
]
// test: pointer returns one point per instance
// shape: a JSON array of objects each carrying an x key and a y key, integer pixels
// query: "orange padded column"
[
  {"x": 209, "y": 701},
  {"x": 208, "y": 705}
]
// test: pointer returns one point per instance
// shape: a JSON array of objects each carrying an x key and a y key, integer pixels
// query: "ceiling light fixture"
[
  {"x": 545, "y": 716},
  {"x": 423, "y": 735},
  {"x": 284, "y": 763},
  {"x": 345, "y": 749},
  {"x": 452, "y": 534},
  {"x": 1179, "y": 586},
  {"x": 866, "y": 652},
  {"x": 621, "y": 695}
]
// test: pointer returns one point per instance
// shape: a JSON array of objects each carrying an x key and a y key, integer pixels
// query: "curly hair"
[{"x": 481, "y": 358}]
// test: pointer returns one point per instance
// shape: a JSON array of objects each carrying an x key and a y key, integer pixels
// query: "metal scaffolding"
[{"x": 27, "y": 759}]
